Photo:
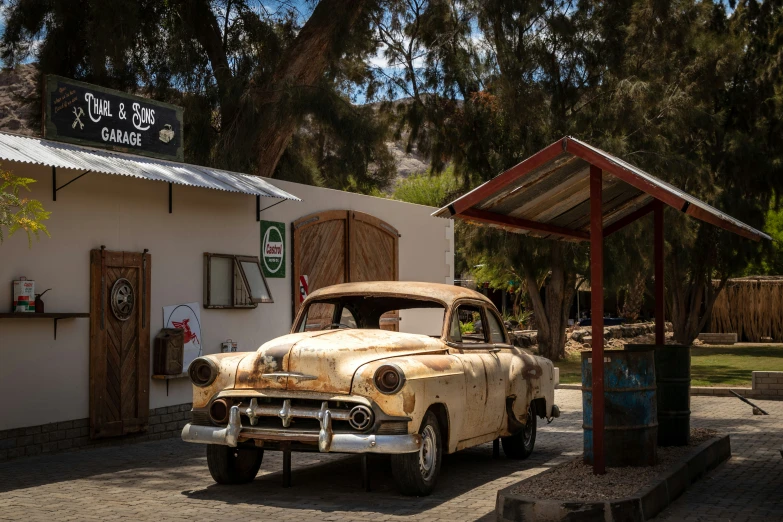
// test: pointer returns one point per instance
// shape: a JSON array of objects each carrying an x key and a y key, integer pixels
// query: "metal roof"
[
  {"x": 39, "y": 151},
  {"x": 548, "y": 195}
]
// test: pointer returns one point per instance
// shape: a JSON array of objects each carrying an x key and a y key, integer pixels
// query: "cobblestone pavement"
[
  {"x": 168, "y": 480},
  {"x": 749, "y": 486}
]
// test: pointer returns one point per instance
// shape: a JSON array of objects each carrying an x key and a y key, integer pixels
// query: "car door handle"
[{"x": 494, "y": 349}]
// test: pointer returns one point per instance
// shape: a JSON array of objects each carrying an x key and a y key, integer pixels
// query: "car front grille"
[{"x": 278, "y": 413}]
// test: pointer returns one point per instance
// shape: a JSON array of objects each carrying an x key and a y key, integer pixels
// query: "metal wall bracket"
[
  {"x": 56, "y": 189},
  {"x": 259, "y": 209}
]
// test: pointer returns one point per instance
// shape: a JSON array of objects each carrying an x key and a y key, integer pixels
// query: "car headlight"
[
  {"x": 202, "y": 371},
  {"x": 389, "y": 378}
]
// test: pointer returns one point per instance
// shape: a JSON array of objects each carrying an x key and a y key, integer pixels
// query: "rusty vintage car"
[{"x": 340, "y": 383}]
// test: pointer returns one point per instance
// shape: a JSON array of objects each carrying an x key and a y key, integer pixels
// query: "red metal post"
[
  {"x": 660, "y": 308},
  {"x": 597, "y": 314}
]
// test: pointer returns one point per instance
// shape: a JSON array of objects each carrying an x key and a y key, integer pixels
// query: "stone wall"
[
  {"x": 768, "y": 383},
  {"x": 165, "y": 422},
  {"x": 624, "y": 331}
]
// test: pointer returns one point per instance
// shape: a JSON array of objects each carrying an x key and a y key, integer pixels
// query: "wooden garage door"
[
  {"x": 119, "y": 342},
  {"x": 339, "y": 246}
]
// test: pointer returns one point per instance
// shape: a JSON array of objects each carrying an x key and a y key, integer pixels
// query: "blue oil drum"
[{"x": 630, "y": 411}]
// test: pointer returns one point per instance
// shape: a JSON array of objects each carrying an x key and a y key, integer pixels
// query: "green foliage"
[
  {"x": 682, "y": 88},
  {"x": 772, "y": 262},
  {"x": 432, "y": 189},
  {"x": 467, "y": 327},
  {"x": 19, "y": 213}
]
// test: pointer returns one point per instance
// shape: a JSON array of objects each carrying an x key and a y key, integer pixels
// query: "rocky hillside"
[{"x": 20, "y": 110}]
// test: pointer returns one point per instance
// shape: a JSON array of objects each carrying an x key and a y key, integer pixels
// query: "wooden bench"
[{"x": 718, "y": 338}]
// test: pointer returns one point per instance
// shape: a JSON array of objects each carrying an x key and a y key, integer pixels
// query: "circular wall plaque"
[{"x": 122, "y": 299}]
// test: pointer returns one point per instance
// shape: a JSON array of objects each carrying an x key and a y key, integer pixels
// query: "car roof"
[{"x": 446, "y": 294}]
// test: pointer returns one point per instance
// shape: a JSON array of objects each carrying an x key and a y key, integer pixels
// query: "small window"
[
  {"x": 496, "y": 334},
  {"x": 234, "y": 282},
  {"x": 468, "y": 321},
  {"x": 318, "y": 316},
  {"x": 455, "y": 333}
]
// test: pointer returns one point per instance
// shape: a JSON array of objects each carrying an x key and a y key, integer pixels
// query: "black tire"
[
  {"x": 417, "y": 473},
  {"x": 520, "y": 445},
  {"x": 233, "y": 465}
]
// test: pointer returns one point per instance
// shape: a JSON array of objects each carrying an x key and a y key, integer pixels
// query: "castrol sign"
[{"x": 273, "y": 248}]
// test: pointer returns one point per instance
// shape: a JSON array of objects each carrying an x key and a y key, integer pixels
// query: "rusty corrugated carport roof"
[{"x": 548, "y": 195}]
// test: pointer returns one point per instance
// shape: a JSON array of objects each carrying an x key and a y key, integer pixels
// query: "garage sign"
[
  {"x": 273, "y": 248},
  {"x": 85, "y": 114}
]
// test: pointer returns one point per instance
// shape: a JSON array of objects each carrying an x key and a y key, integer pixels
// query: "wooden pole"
[
  {"x": 660, "y": 308},
  {"x": 597, "y": 314}
]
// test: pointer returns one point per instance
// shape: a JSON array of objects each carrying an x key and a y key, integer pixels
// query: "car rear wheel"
[
  {"x": 416, "y": 473},
  {"x": 233, "y": 465},
  {"x": 520, "y": 445}
]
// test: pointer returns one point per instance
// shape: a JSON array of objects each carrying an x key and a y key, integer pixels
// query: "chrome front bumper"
[{"x": 328, "y": 441}]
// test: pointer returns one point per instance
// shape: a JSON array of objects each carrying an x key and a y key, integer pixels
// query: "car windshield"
[{"x": 404, "y": 314}]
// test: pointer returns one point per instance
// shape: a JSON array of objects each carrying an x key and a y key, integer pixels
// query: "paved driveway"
[{"x": 168, "y": 480}]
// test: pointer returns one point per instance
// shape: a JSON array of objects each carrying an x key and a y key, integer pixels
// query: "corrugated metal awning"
[
  {"x": 39, "y": 151},
  {"x": 548, "y": 195}
]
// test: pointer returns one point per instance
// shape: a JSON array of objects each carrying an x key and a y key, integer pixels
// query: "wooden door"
[
  {"x": 374, "y": 256},
  {"x": 119, "y": 342},
  {"x": 320, "y": 255},
  {"x": 339, "y": 246}
]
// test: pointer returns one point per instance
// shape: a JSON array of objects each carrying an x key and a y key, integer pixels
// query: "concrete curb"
[
  {"x": 646, "y": 504},
  {"x": 711, "y": 391}
]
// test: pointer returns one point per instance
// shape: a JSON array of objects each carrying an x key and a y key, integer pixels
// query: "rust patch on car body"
[{"x": 408, "y": 402}]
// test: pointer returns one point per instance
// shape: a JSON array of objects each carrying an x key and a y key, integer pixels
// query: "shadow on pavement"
[
  {"x": 36, "y": 471},
  {"x": 336, "y": 486}
]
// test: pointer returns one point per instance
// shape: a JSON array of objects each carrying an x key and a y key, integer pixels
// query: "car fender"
[
  {"x": 429, "y": 379},
  {"x": 531, "y": 378}
]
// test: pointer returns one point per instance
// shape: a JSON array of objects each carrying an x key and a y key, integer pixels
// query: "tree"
[
  {"x": 17, "y": 212},
  {"x": 248, "y": 75},
  {"x": 680, "y": 88},
  {"x": 494, "y": 99},
  {"x": 694, "y": 102},
  {"x": 552, "y": 265}
]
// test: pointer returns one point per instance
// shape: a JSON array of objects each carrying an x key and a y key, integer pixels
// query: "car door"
[
  {"x": 504, "y": 354},
  {"x": 485, "y": 383}
]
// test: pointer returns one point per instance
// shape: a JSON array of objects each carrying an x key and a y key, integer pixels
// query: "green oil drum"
[{"x": 673, "y": 377}]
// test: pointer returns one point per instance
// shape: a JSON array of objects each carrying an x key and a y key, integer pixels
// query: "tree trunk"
[
  {"x": 316, "y": 47},
  {"x": 552, "y": 315},
  {"x": 692, "y": 298}
]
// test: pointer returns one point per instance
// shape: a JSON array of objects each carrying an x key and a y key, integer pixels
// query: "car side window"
[
  {"x": 496, "y": 334},
  {"x": 467, "y": 319}
]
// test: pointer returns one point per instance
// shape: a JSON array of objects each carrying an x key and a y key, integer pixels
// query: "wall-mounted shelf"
[
  {"x": 167, "y": 378},
  {"x": 53, "y": 315}
]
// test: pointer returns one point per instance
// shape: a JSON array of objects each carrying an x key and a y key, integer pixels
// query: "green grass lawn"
[{"x": 710, "y": 365}]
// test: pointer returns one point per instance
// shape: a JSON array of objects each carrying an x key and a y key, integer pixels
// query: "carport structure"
[{"x": 572, "y": 191}]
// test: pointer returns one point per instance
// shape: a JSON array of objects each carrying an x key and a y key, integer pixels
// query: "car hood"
[{"x": 325, "y": 361}]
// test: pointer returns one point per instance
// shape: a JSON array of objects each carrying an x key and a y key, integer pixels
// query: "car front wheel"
[
  {"x": 520, "y": 445},
  {"x": 233, "y": 465},
  {"x": 416, "y": 473}
]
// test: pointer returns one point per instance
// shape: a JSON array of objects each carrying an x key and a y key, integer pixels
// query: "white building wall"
[{"x": 47, "y": 380}]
